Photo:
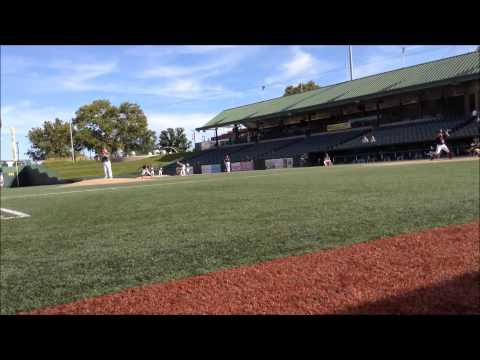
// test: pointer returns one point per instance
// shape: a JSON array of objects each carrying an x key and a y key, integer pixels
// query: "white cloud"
[
  {"x": 189, "y": 81},
  {"x": 12, "y": 64},
  {"x": 171, "y": 79},
  {"x": 302, "y": 66},
  {"x": 161, "y": 51},
  {"x": 201, "y": 71},
  {"x": 191, "y": 89},
  {"x": 24, "y": 116},
  {"x": 301, "y": 63},
  {"x": 168, "y": 71},
  {"x": 79, "y": 76},
  {"x": 214, "y": 63}
]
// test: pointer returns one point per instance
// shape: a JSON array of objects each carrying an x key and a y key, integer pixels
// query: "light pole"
[
  {"x": 350, "y": 61},
  {"x": 16, "y": 164}
]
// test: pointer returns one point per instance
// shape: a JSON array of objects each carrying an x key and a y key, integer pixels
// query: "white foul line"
[
  {"x": 17, "y": 214},
  {"x": 135, "y": 186}
]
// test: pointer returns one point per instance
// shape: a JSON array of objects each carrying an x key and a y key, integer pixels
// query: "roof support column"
[
  {"x": 420, "y": 105},
  {"x": 477, "y": 96},
  {"x": 377, "y": 105},
  {"x": 216, "y": 137},
  {"x": 466, "y": 103},
  {"x": 442, "y": 103}
]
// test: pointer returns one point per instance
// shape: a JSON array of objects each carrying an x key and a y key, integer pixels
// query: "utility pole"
[
  {"x": 71, "y": 142},
  {"x": 15, "y": 151},
  {"x": 350, "y": 61},
  {"x": 403, "y": 56}
]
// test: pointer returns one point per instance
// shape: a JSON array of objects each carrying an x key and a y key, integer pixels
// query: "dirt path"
[
  {"x": 430, "y": 272},
  {"x": 113, "y": 181},
  {"x": 414, "y": 162}
]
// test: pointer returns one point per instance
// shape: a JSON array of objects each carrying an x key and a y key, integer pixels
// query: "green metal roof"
[{"x": 461, "y": 66}]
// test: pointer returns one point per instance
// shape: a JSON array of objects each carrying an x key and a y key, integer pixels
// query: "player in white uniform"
[
  {"x": 146, "y": 171},
  {"x": 182, "y": 168},
  {"x": 107, "y": 165},
  {"x": 327, "y": 161},
  {"x": 227, "y": 162}
]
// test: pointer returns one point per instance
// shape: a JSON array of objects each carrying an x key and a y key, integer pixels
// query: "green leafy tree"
[
  {"x": 124, "y": 128},
  {"x": 175, "y": 138},
  {"x": 97, "y": 126},
  {"x": 300, "y": 88},
  {"x": 52, "y": 139},
  {"x": 134, "y": 134}
]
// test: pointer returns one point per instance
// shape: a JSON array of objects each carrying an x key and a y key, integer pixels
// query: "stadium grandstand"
[{"x": 384, "y": 117}]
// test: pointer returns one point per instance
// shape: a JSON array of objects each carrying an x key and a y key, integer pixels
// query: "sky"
[{"x": 176, "y": 86}]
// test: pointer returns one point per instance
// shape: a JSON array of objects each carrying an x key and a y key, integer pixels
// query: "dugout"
[{"x": 31, "y": 175}]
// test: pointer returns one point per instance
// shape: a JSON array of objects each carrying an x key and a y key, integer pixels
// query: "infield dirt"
[
  {"x": 430, "y": 272},
  {"x": 102, "y": 181}
]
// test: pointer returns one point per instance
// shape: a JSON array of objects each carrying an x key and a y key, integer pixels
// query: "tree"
[
  {"x": 124, "y": 128},
  {"x": 175, "y": 138},
  {"x": 300, "y": 88},
  {"x": 52, "y": 139},
  {"x": 97, "y": 126},
  {"x": 134, "y": 133}
]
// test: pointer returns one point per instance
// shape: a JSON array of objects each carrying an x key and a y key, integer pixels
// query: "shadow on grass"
[{"x": 458, "y": 296}]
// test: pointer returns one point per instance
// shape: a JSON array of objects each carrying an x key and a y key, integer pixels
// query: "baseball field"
[{"x": 346, "y": 239}]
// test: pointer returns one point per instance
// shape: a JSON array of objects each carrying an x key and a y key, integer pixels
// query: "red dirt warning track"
[{"x": 430, "y": 272}]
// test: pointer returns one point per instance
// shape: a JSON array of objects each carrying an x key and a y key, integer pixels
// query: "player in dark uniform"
[{"x": 441, "y": 141}]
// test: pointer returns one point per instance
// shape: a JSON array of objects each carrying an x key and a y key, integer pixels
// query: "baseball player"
[
  {"x": 441, "y": 141},
  {"x": 327, "y": 161},
  {"x": 107, "y": 165},
  {"x": 146, "y": 171},
  {"x": 227, "y": 162},
  {"x": 431, "y": 154},
  {"x": 182, "y": 168},
  {"x": 475, "y": 147}
]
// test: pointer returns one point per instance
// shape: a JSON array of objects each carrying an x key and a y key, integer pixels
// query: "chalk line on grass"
[
  {"x": 281, "y": 172},
  {"x": 134, "y": 186},
  {"x": 18, "y": 214}
]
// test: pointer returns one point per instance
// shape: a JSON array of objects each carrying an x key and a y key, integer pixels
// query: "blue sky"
[{"x": 176, "y": 86}]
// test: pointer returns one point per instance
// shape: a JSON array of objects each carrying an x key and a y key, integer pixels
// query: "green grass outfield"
[{"x": 87, "y": 241}]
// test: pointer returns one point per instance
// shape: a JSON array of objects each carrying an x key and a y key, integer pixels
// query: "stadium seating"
[
  {"x": 317, "y": 143},
  {"x": 211, "y": 156},
  {"x": 249, "y": 151},
  {"x": 391, "y": 134},
  {"x": 263, "y": 149},
  {"x": 217, "y": 155},
  {"x": 471, "y": 129},
  {"x": 395, "y": 134}
]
